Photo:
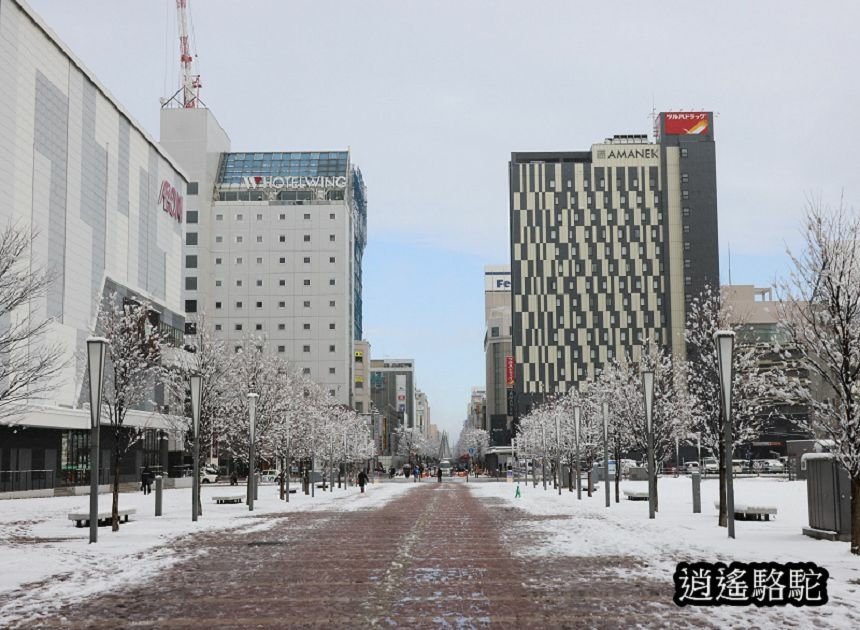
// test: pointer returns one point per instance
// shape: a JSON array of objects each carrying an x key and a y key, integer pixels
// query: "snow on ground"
[
  {"x": 677, "y": 534},
  {"x": 50, "y": 560}
]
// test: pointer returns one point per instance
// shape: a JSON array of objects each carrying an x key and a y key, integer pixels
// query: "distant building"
[
  {"x": 361, "y": 377},
  {"x": 476, "y": 410},
  {"x": 422, "y": 412},
  {"x": 498, "y": 353},
  {"x": 392, "y": 390},
  {"x": 608, "y": 247}
]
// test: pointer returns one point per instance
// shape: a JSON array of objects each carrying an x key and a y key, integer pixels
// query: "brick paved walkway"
[{"x": 435, "y": 557}]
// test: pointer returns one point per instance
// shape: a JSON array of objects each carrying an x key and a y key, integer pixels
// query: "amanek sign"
[{"x": 267, "y": 182}]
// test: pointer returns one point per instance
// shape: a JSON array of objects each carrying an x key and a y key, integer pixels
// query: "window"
[
  {"x": 306, "y": 348},
  {"x": 282, "y": 238},
  {"x": 238, "y": 283},
  {"x": 306, "y": 282},
  {"x": 688, "y": 280},
  {"x": 259, "y": 304},
  {"x": 238, "y": 260},
  {"x": 331, "y": 371},
  {"x": 331, "y": 282},
  {"x": 331, "y": 349},
  {"x": 259, "y": 282},
  {"x": 258, "y": 327},
  {"x": 684, "y": 152},
  {"x": 219, "y": 239},
  {"x": 192, "y": 189},
  {"x": 259, "y": 238},
  {"x": 191, "y": 262},
  {"x": 307, "y": 238},
  {"x": 685, "y": 194},
  {"x": 306, "y": 370},
  {"x": 219, "y": 217},
  {"x": 282, "y": 305},
  {"x": 282, "y": 260},
  {"x": 331, "y": 237},
  {"x": 282, "y": 326},
  {"x": 494, "y": 331},
  {"x": 217, "y": 283},
  {"x": 239, "y": 238},
  {"x": 331, "y": 216},
  {"x": 686, "y": 229},
  {"x": 685, "y": 178},
  {"x": 687, "y": 246},
  {"x": 307, "y": 216},
  {"x": 259, "y": 218},
  {"x": 238, "y": 304},
  {"x": 237, "y": 349},
  {"x": 686, "y": 212},
  {"x": 191, "y": 305},
  {"x": 307, "y": 304},
  {"x": 331, "y": 326},
  {"x": 306, "y": 260},
  {"x": 218, "y": 306},
  {"x": 331, "y": 303},
  {"x": 259, "y": 260},
  {"x": 240, "y": 216},
  {"x": 191, "y": 216},
  {"x": 218, "y": 327},
  {"x": 190, "y": 284},
  {"x": 331, "y": 259},
  {"x": 687, "y": 263},
  {"x": 282, "y": 282},
  {"x": 306, "y": 326},
  {"x": 282, "y": 349}
]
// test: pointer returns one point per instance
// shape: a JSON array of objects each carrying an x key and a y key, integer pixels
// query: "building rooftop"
[{"x": 235, "y": 166}]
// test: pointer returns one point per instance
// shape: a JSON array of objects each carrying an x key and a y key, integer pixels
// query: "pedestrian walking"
[
  {"x": 146, "y": 480},
  {"x": 439, "y": 474},
  {"x": 416, "y": 473},
  {"x": 362, "y": 480},
  {"x": 234, "y": 479}
]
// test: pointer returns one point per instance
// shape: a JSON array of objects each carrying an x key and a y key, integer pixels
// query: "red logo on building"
[
  {"x": 509, "y": 371},
  {"x": 685, "y": 123},
  {"x": 170, "y": 200}
]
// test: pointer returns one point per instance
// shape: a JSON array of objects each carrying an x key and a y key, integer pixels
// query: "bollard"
[
  {"x": 256, "y": 486},
  {"x": 158, "y": 484},
  {"x": 697, "y": 493}
]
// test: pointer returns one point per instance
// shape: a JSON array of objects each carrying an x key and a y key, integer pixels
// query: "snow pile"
[
  {"x": 54, "y": 564},
  {"x": 677, "y": 534}
]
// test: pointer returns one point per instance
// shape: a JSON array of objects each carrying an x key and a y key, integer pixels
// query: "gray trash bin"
[{"x": 828, "y": 493}]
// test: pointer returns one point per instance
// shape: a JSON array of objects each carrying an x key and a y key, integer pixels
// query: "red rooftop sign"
[{"x": 685, "y": 123}]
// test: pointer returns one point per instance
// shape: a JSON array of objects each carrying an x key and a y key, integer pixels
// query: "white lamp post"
[
  {"x": 558, "y": 451},
  {"x": 252, "y": 412},
  {"x": 648, "y": 390},
  {"x": 725, "y": 341},
  {"x": 196, "y": 392},
  {"x": 606, "y": 449},
  {"x": 577, "y": 411},
  {"x": 96, "y": 348}
]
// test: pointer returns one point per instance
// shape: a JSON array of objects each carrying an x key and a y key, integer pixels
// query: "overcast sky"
[{"x": 433, "y": 96}]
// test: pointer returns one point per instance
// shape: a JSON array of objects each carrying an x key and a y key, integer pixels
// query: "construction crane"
[{"x": 190, "y": 82}]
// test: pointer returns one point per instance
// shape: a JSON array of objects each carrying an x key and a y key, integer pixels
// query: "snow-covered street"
[{"x": 588, "y": 529}]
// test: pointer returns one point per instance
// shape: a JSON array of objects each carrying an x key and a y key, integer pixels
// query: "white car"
[
  {"x": 774, "y": 466},
  {"x": 711, "y": 465},
  {"x": 691, "y": 467},
  {"x": 269, "y": 476},
  {"x": 208, "y": 474}
]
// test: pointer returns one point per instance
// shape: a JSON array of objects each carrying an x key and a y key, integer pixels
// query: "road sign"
[{"x": 471, "y": 451}]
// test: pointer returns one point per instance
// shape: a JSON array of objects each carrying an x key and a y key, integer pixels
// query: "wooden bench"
[
  {"x": 82, "y": 519},
  {"x": 751, "y": 512},
  {"x": 636, "y": 495},
  {"x": 235, "y": 498}
]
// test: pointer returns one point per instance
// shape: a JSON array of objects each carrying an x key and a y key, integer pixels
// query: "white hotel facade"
[{"x": 105, "y": 203}]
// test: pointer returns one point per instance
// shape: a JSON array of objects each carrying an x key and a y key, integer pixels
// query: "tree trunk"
[
  {"x": 115, "y": 501},
  {"x": 617, "y": 471},
  {"x": 589, "y": 484},
  {"x": 723, "y": 522},
  {"x": 855, "y": 515},
  {"x": 199, "y": 493},
  {"x": 283, "y": 474}
]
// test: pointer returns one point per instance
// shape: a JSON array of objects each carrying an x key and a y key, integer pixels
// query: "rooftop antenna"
[
  {"x": 190, "y": 82},
  {"x": 654, "y": 125}
]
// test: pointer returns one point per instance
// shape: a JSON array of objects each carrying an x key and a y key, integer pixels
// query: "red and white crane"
[{"x": 190, "y": 82}]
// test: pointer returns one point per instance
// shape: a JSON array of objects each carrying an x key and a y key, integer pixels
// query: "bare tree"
[
  {"x": 131, "y": 366},
  {"x": 752, "y": 388},
  {"x": 29, "y": 362},
  {"x": 821, "y": 303}
]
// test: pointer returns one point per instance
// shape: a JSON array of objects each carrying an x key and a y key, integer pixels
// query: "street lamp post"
[
  {"x": 543, "y": 459},
  {"x": 577, "y": 411},
  {"x": 606, "y": 449},
  {"x": 196, "y": 391},
  {"x": 648, "y": 390},
  {"x": 252, "y": 412},
  {"x": 558, "y": 451},
  {"x": 725, "y": 340},
  {"x": 96, "y": 347}
]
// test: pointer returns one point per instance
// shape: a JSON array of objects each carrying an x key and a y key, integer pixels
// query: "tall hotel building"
[
  {"x": 274, "y": 246},
  {"x": 608, "y": 247}
]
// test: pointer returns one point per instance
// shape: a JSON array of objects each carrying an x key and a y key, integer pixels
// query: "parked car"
[
  {"x": 711, "y": 466},
  {"x": 626, "y": 464},
  {"x": 739, "y": 466},
  {"x": 269, "y": 476},
  {"x": 691, "y": 467},
  {"x": 208, "y": 474},
  {"x": 774, "y": 466}
]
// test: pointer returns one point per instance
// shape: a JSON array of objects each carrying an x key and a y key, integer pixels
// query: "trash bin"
[{"x": 828, "y": 494}]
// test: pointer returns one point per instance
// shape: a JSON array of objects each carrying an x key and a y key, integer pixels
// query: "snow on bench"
[
  {"x": 751, "y": 512},
  {"x": 82, "y": 519},
  {"x": 636, "y": 495},
  {"x": 235, "y": 498}
]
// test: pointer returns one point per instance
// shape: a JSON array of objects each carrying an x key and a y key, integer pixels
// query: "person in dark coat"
[
  {"x": 146, "y": 480},
  {"x": 439, "y": 474},
  {"x": 362, "y": 480},
  {"x": 234, "y": 479}
]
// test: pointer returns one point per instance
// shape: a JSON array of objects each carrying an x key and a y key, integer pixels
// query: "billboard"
[
  {"x": 400, "y": 381},
  {"x": 686, "y": 123},
  {"x": 497, "y": 280},
  {"x": 509, "y": 371}
]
